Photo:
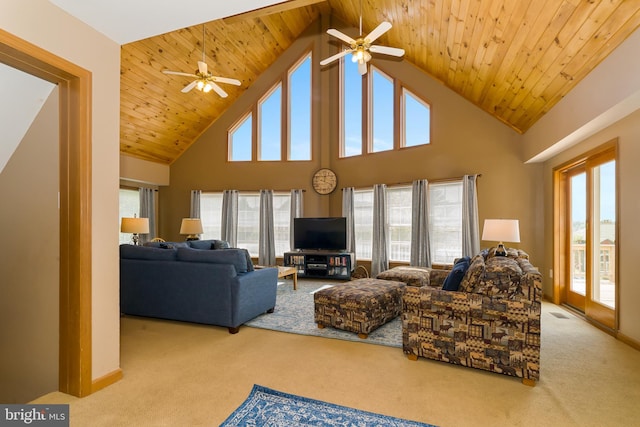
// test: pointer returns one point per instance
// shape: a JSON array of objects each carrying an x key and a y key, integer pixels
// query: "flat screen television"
[{"x": 320, "y": 233}]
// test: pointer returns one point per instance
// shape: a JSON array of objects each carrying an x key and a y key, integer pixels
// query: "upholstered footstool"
[
  {"x": 415, "y": 276},
  {"x": 359, "y": 306}
]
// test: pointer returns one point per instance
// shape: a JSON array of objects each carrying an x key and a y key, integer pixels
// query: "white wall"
[{"x": 48, "y": 27}]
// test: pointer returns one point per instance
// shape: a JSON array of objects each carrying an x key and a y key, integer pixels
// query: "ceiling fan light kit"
[
  {"x": 205, "y": 81},
  {"x": 361, "y": 47}
]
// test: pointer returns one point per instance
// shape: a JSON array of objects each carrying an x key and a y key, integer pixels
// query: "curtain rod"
[{"x": 430, "y": 181}]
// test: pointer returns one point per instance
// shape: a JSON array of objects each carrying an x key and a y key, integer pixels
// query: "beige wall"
[
  {"x": 465, "y": 140},
  {"x": 29, "y": 271},
  {"x": 627, "y": 131},
  {"x": 41, "y": 23}
]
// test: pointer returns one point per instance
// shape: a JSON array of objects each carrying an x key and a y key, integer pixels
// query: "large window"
[
  {"x": 129, "y": 207},
  {"x": 211, "y": 215},
  {"x": 351, "y": 95},
  {"x": 270, "y": 126},
  {"x": 300, "y": 110},
  {"x": 399, "y": 219},
  {"x": 368, "y": 119},
  {"x": 445, "y": 221},
  {"x": 416, "y": 126},
  {"x": 289, "y": 98},
  {"x": 381, "y": 112},
  {"x": 363, "y": 222},
  {"x": 240, "y": 139},
  {"x": 248, "y": 220}
]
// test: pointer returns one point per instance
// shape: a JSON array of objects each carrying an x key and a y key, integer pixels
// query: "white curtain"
[
  {"x": 266, "y": 242},
  {"x": 380, "y": 247},
  {"x": 348, "y": 213},
  {"x": 420, "y": 248},
  {"x": 230, "y": 217},
  {"x": 194, "y": 211},
  {"x": 296, "y": 212},
  {"x": 470, "y": 226},
  {"x": 148, "y": 210}
]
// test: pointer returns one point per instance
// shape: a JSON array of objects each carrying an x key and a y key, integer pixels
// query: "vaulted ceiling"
[{"x": 514, "y": 59}]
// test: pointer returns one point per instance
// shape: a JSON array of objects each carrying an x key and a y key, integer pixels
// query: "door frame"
[
  {"x": 561, "y": 246},
  {"x": 74, "y": 83}
]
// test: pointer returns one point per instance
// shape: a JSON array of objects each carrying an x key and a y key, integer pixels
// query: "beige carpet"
[{"x": 178, "y": 374}]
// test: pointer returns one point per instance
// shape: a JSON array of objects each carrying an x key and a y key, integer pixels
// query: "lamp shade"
[
  {"x": 501, "y": 230},
  {"x": 191, "y": 226},
  {"x": 135, "y": 225}
]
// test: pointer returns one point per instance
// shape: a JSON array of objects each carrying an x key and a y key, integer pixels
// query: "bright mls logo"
[{"x": 34, "y": 415}]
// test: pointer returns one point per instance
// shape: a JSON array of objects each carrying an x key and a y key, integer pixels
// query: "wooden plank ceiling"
[{"x": 514, "y": 59}]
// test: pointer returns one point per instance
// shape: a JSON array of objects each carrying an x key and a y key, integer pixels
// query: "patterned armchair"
[{"x": 492, "y": 322}]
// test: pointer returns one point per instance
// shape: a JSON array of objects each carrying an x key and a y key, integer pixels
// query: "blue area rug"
[
  {"x": 266, "y": 407},
  {"x": 294, "y": 313}
]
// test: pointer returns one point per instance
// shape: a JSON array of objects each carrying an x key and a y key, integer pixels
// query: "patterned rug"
[
  {"x": 266, "y": 407},
  {"x": 294, "y": 314}
]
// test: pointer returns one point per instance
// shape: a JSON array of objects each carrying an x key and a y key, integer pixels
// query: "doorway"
[
  {"x": 74, "y": 85},
  {"x": 586, "y": 235}
]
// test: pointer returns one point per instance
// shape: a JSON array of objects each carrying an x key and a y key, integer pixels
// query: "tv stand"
[{"x": 321, "y": 264}]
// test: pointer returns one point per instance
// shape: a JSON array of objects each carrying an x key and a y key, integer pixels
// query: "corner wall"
[{"x": 57, "y": 32}]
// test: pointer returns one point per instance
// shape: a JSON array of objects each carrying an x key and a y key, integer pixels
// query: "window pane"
[
  {"x": 249, "y": 222},
  {"x": 417, "y": 120},
  {"x": 351, "y": 109},
  {"x": 129, "y": 207},
  {"x": 270, "y": 110},
  {"x": 240, "y": 140},
  {"x": 382, "y": 112},
  {"x": 445, "y": 222},
  {"x": 300, "y": 111},
  {"x": 399, "y": 217},
  {"x": 211, "y": 215},
  {"x": 363, "y": 222},
  {"x": 281, "y": 222},
  {"x": 604, "y": 234}
]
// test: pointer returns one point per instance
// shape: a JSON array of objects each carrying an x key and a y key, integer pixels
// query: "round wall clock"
[{"x": 324, "y": 181}]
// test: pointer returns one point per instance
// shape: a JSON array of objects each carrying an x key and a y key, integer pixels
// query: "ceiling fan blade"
[
  {"x": 218, "y": 89},
  {"x": 362, "y": 68},
  {"x": 393, "y": 51},
  {"x": 226, "y": 80},
  {"x": 202, "y": 67},
  {"x": 378, "y": 31},
  {"x": 190, "y": 86},
  {"x": 178, "y": 73},
  {"x": 336, "y": 56},
  {"x": 342, "y": 36}
]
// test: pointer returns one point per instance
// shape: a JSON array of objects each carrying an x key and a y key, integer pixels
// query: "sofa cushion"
[
  {"x": 220, "y": 244},
  {"x": 236, "y": 257},
  {"x": 147, "y": 253},
  {"x": 474, "y": 274},
  {"x": 167, "y": 245},
  {"x": 452, "y": 282}
]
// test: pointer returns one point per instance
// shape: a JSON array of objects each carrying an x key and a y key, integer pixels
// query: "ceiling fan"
[
  {"x": 359, "y": 48},
  {"x": 205, "y": 81}
]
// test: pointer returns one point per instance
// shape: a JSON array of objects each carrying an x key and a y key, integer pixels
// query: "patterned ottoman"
[
  {"x": 359, "y": 305},
  {"x": 415, "y": 276}
]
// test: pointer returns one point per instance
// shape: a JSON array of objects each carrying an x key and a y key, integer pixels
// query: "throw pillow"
[{"x": 453, "y": 279}]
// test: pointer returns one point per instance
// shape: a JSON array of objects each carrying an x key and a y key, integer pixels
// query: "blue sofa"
[{"x": 192, "y": 282}]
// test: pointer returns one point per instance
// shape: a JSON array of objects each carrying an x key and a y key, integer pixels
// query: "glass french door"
[{"x": 590, "y": 234}]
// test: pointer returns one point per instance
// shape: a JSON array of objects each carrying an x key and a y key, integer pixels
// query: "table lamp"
[
  {"x": 192, "y": 227},
  {"x": 135, "y": 226},
  {"x": 501, "y": 230}
]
